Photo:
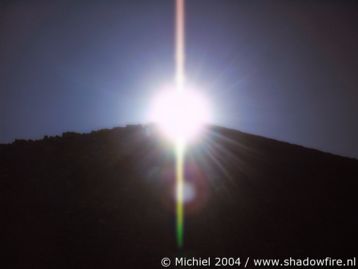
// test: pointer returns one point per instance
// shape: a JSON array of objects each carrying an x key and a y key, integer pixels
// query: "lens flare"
[
  {"x": 180, "y": 77},
  {"x": 181, "y": 115}
]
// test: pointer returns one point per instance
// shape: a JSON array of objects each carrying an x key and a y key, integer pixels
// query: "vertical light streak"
[
  {"x": 179, "y": 144},
  {"x": 179, "y": 43},
  {"x": 180, "y": 151}
]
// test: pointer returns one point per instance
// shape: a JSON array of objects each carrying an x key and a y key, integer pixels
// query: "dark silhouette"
[{"x": 105, "y": 200}]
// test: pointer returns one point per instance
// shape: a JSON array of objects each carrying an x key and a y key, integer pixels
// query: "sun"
[{"x": 180, "y": 114}]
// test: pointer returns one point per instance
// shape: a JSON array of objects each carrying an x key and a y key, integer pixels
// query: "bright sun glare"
[{"x": 180, "y": 114}]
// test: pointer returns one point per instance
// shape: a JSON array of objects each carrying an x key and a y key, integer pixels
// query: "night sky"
[{"x": 285, "y": 69}]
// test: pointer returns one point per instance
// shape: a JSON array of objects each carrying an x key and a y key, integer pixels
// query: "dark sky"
[{"x": 284, "y": 69}]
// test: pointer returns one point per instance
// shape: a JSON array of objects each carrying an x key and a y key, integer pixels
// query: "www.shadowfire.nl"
[{"x": 305, "y": 262}]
